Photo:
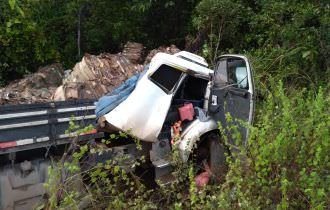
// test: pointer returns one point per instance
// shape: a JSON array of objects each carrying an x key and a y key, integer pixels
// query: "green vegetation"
[
  {"x": 38, "y": 32},
  {"x": 289, "y": 40},
  {"x": 286, "y": 164},
  {"x": 287, "y": 157},
  {"x": 292, "y": 36}
]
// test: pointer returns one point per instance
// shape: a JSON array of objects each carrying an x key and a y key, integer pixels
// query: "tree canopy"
[
  {"x": 34, "y": 33},
  {"x": 293, "y": 33}
]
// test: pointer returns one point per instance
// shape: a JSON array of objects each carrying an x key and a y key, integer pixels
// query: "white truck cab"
[{"x": 170, "y": 82}]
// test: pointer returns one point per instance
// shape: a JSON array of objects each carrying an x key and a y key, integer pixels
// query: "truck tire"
[
  {"x": 21, "y": 185},
  {"x": 217, "y": 158}
]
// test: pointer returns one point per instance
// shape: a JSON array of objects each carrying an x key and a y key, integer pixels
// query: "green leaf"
[
  {"x": 12, "y": 4},
  {"x": 20, "y": 11},
  {"x": 116, "y": 169},
  {"x": 306, "y": 54}
]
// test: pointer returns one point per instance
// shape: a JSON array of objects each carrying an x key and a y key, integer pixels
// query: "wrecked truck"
[{"x": 177, "y": 102}]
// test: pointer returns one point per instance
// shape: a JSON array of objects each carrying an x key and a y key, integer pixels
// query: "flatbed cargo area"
[{"x": 24, "y": 127}]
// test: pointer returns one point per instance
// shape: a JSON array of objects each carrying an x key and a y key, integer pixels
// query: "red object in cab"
[{"x": 187, "y": 112}]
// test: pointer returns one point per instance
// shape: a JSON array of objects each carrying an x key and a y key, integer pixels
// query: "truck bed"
[
  {"x": 30, "y": 126},
  {"x": 27, "y": 133}
]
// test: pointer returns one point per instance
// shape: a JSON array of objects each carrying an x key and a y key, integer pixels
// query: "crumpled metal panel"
[{"x": 143, "y": 112}]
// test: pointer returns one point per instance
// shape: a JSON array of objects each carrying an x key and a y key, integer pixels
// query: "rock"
[
  {"x": 59, "y": 94},
  {"x": 133, "y": 52},
  {"x": 37, "y": 87},
  {"x": 170, "y": 50},
  {"x": 95, "y": 76}
]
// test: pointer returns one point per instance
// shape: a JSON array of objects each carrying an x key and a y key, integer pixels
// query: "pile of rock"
[
  {"x": 95, "y": 76},
  {"x": 37, "y": 87},
  {"x": 92, "y": 77}
]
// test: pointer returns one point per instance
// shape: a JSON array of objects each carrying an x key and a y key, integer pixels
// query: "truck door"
[
  {"x": 144, "y": 111},
  {"x": 232, "y": 92}
]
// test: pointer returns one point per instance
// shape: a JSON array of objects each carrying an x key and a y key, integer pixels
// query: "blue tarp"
[{"x": 110, "y": 101}]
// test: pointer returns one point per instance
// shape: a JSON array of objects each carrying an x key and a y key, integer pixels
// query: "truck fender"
[{"x": 191, "y": 135}]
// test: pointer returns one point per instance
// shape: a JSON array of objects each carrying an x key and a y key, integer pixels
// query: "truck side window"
[
  {"x": 166, "y": 77},
  {"x": 237, "y": 73},
  {"x": 221, "y": 74}
]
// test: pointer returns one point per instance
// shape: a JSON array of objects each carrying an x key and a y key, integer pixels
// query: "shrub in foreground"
[{"x": 285, "y": 165}]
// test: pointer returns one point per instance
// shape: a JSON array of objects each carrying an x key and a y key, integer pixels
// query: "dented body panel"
[
  {"x": 143, "y": 120},
  {"x": 143, "y": 113},
  {"x": 149, "y": 112}
]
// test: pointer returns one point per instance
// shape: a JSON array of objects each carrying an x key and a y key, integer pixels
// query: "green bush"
[
  {"x": 286, "y": 165},
  {"x": 289, "y": 39}
]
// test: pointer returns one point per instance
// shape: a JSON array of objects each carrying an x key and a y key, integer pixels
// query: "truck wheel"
[{"x": 217, "y": 158}]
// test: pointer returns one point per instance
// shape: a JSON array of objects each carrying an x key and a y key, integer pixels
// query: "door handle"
[{"x": 213, "y": 104}]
